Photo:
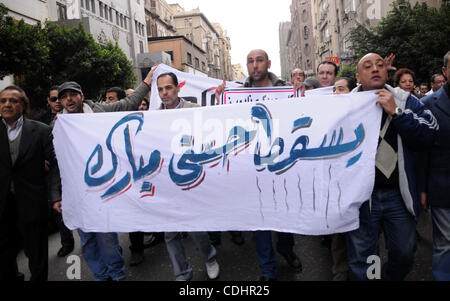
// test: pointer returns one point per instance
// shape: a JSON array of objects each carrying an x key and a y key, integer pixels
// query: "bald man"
[
  {"x": 258, "y": 65},
  {"x": 405, "y": 127}
]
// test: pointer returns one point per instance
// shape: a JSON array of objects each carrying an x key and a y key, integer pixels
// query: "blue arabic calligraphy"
[
  {"x": 138, "y": 173},
  {"x": 188, "y": 171},
  {"x": 296, "y": 153}
]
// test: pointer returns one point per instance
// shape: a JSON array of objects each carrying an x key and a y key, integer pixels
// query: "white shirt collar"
[{"x": 15, "y": 130}]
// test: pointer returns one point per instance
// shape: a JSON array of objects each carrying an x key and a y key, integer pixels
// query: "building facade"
[
  {"x": 185, "y": 56},
  {"x": 121, "y": 21},
  {"x": 239, "y": 73},
  {"x": 333, "y": 21},
  {"x": 299, "y": 42},
  {"x": 159, "y": 19},
  {"x": 320, "y": 29},
  {"x": 196, "y": 27},
  {"x": 285, "y": 65},
  {"x": 224, "y": 54}
]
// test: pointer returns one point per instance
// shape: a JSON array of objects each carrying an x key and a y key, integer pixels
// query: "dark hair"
[
  {"x": 119, "y": 91},
  {"x": 336, "y": 68},
  {"x": 400, "y": 72},
  {"x": 146, "y": 101},
  {"x": 351, "y": 83},
  {"x": 423, "y": 84},
  {"x": 55, "y": 87},
  {"x": 304, "y": 75},
  {"x": 23, "y": 97},
  {"x": 172, "y": 75},
  {"x": 434, "y": 77},
  {"x": 446, "y": 58}
]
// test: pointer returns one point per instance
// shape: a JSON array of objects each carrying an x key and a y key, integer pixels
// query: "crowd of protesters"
[{"x": 412, "y": 172}]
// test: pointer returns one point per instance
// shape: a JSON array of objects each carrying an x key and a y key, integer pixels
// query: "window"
[
  {"x": 87, "y": 5},
  {"x": 92, "y": 5},
  {"x": 62, "y": 11},
  {"x": 101, "y": 9},
  {"x": 304, "y": 16},
  {"x": 306, "y": 32},
  {"x": 349, "y": 5},
  {"x": 149, "y": 29},
  {"x": 203, "y": 66},
  {"x": 141, "y": 46},
  {"x": 197, "y": 63},
  {"x": 82, "y": 3},
  {"x": 324, "y": 35},
  {"x": 121, "y": 20},
  {"x": 189, "y": 58},
  {"x": 111, "y": 14},
  {"x": 117, "y": 18},
  {"x": 307, "y": 49},
  {"x": 153, "y": 3},
  {"x": 171, "y": 55},
  {"x": 136, "y": 26},
  {"x": 125, "y": 22},
  {"x": 106, "y": 12}
]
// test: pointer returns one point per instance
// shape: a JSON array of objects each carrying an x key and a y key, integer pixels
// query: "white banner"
[
  {"x": 320, "y": 91},
  {"x": 301, "y": 165},
  {"x": 245, "y": 95},
  {"x": 196, "y": 89}
]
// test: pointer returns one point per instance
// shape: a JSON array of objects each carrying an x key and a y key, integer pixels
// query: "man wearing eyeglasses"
[
  {"x": 54, "y": 105},
  {"x": 437, "y": 81},
  {"x": 297, "y": 79}
]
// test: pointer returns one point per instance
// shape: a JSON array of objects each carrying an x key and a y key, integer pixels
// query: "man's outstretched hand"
[
  {"x": 219, "y": 90},
  {"x": 389, "y": 61}
]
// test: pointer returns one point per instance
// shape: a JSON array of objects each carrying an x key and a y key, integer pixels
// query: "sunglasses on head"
[{"x": 53, "y": 99}]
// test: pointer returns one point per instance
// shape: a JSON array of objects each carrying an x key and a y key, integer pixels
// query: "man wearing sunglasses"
[{"x": 54, "y": 107}]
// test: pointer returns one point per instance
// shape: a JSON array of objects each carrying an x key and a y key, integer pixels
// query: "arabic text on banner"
[
  {"x": 292, "y": 165},
  {"x": 245, "y": 95},
  {"x": 194, "y": 88}
]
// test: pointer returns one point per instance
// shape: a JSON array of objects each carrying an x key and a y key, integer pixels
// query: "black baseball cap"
[{"x": 73, "y": 86}]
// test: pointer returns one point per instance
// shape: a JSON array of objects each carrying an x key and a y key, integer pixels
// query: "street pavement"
[{"x": 237, "y": 263}]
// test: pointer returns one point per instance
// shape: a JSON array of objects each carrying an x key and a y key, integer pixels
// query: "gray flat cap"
[{"x": 74, "y": 86}]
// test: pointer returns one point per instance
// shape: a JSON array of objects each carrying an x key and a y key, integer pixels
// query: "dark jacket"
[
  {"x": 45, "y": 117},
  {"x": 130, "y": 103},
  {"x": 31, "y": 183},
  {"x": 273, "y": 78},
  {"x": 436, "y": 162}
]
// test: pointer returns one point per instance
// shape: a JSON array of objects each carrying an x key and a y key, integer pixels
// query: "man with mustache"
[
  {"x": 406, "y": 126},
  {"x": 101, "y": 251}
]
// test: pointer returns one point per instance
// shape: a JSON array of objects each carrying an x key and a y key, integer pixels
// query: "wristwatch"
[{"x": 398, "y": 112}]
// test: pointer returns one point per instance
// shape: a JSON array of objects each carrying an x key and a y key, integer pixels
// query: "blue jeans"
[
  {"x": 441, "y": 243},
  {"x": 264, "y": 251},
  {"x": 399, "y": 228},
  {"x": 174, "y": 243},
  {"x": 103, "y": 255}
]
